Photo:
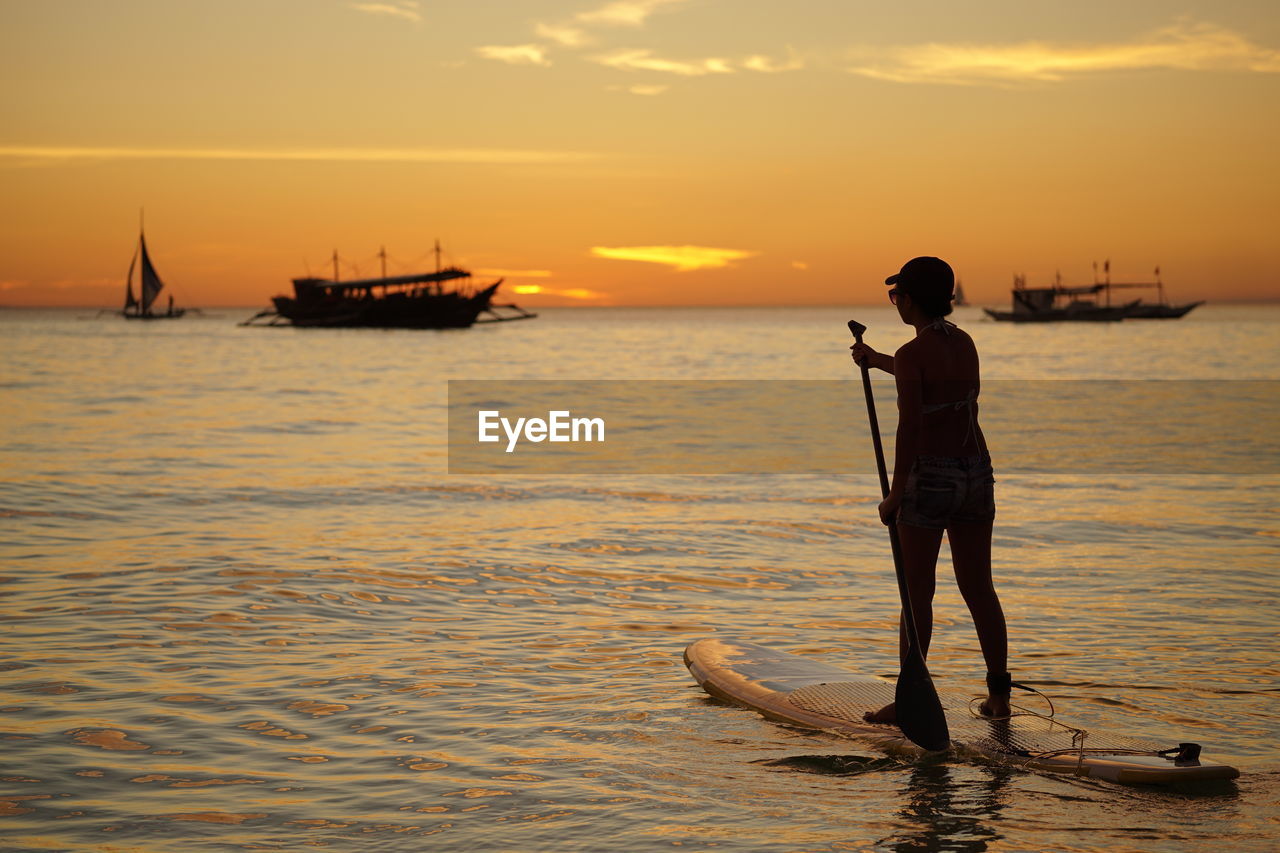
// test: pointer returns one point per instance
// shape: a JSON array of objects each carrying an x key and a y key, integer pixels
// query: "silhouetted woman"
[{"x": 942, "y": 478}]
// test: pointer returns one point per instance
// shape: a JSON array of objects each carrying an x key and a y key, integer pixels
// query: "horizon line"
[{"x": 257, "y": 306}]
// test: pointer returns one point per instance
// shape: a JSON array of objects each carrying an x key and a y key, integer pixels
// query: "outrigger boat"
[
  {"x": 150, "y": 284},
  {"x": 1161, "y": 310},
  {"x": 1085, "y": 303},
  {"x": 416, "y": 301},
  {"x": 1058, "y": 303}
]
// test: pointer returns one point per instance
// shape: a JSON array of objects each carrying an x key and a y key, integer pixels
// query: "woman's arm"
[
  {"x": 878, "y": 360},
  {"x": 910, "y": 418}
]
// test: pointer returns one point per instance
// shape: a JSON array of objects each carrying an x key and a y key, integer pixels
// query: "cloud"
[
  {"x": 768, "y": 65},
  {"x": 644, "y": 89},
  {"x": 643, "y": 59},
  {"x": 407, "y": 9},
  {"x": 45, "y": 154},
  {"x": 630, "y": 59},
  {"x": 683, "y": 258},
  {"x": 1185, "y": 45},
  {"x": 574, "y": 34},
  {"x": 565, "y": 36},
  {"x": 516, "y": 54},
  {"x": 625, "y": 13},
  {"x": 799, "y": 265},
  {"x": 569, "y": 293}
]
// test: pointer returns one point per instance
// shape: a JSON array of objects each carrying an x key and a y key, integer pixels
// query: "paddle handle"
[{"x": 858, "y": 329}]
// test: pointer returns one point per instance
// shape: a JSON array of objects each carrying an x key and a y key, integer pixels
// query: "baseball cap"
[{"x": 923, "y": 274}]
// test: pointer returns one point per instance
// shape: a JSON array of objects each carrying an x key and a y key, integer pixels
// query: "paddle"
[{"x": 916, "y": 703}]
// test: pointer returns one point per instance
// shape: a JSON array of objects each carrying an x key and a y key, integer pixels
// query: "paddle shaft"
[
  {"x": 917, "y": 709},
  {"x": 908, "y": 619}
]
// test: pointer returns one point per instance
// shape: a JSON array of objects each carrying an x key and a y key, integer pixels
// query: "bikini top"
[
  {"x": 945, "y": 326},
  {"x": 969, "y": 402}
]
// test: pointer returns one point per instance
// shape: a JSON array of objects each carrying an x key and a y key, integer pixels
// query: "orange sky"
[{"x": 638, "y": 152}]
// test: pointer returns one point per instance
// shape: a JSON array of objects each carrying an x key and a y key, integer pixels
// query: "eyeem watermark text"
[{"x": 559, "y": 425}]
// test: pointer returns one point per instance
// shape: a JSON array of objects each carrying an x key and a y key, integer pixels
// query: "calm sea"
[{"x": 245, "y": 606}]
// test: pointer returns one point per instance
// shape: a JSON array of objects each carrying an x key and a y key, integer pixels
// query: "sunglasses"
[{"x": 893, "y": 296}]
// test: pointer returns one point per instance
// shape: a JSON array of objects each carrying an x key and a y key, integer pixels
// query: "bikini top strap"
[
  {"x": 969, "y": 403},
  {"x": 942, "y": 324}
]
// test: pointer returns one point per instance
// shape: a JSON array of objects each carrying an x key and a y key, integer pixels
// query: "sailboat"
[{"x": 150, "y": 285}]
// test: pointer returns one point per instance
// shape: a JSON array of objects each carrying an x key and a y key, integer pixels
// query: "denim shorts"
[{"x": 946, "y": 490}]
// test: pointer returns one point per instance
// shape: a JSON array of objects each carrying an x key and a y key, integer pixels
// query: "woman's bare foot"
[
  {"x": 995, "y": 706},
  {"x": 887, "y": 714}
]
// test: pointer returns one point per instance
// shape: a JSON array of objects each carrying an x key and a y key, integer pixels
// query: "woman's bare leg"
[
  {"x": 919, "y": 564},
  {"x": 971, "y": 554}
]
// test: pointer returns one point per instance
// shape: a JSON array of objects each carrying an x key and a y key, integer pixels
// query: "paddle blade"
[{"x": 917, "y": 707}]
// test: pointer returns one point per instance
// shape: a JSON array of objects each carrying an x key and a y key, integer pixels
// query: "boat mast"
[
  {"x": 129, "y": 300},
  {"x": 383, "y": 255},
  {"x": 144, "y": 304},
  {"x": 437, "y": 250},
  {"x": 335, "y": 265}
]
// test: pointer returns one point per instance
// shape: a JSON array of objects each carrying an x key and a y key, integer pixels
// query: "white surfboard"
[{"x": 808, "y": 693}]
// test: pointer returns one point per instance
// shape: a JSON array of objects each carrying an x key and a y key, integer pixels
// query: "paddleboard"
[{"x": 806, "y": 692}]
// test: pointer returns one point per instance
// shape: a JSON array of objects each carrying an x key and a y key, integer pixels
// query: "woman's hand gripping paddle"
[{"x": 916, "y": 704}]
